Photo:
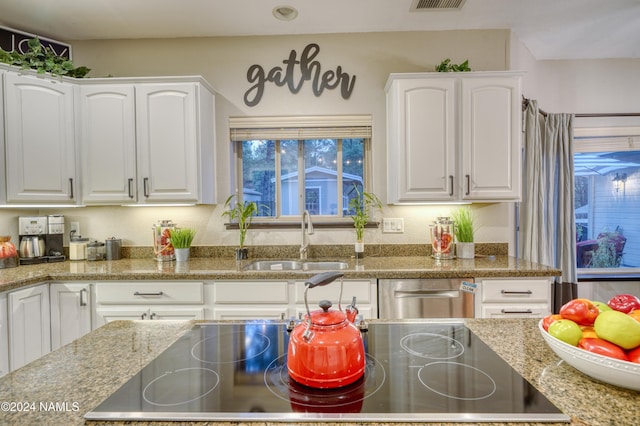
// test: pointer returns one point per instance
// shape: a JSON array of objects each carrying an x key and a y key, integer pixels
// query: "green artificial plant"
[
  {"x": 464, "y": 224},
  {"x": 361, "y": 205},
  {"x": 43, "y": 59},
  {"x": 242, "y": 213},
  {"x": 182, "y": 237},
  {"x": 447, "y": 66}
]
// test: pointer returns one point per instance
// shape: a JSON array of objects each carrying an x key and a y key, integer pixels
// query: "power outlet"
[
  {"x": 393, "y": 225},
  {"x": 74, "y": 228}
]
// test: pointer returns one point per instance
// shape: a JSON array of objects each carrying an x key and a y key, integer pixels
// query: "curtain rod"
[{"x": 525, "y": 103}]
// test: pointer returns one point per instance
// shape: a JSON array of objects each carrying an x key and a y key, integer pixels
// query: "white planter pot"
[
  {"x": 466, "y": 250},
  {"x": 182, "y": 254}
]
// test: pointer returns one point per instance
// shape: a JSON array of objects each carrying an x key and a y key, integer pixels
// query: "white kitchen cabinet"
[
  {"x": 4, "y": 335},
  {"x": 246, "y": 300},
  {"x": 40, "y": 153},
  {"x": 3, "y": 176},
  {"x": 513, "y": 297},
  {"x": 147, "y": 142},
  {"x": 135, "y": 300},
  {"x": 281, "y": 299},
  {"x": 453, "y": 137},
  {"x": 108, "y": 143},
  {"x": 70, "y": 312},
  {"x": 29, "y": 325}
]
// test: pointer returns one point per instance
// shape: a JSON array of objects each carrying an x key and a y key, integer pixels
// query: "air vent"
[{"x": 425, "y": 5}]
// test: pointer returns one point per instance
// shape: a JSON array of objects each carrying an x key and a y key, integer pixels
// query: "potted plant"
[
  {"x": 361, "y": 206},
  {"x": 181, "y": 239},
  {"x": 243, "y": 214},
  {"x": 42, "y": 59},
  {"x": 464, "y": 232}
]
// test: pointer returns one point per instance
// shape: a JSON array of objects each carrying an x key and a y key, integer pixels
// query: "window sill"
[{"x": 288, "y": 224}]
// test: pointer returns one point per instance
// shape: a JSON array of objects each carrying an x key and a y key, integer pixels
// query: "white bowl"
[{"x": 609, "y": 370}]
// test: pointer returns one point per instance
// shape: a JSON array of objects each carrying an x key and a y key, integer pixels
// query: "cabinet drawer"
[
  {"x": 510, "y": 291},
  {"x": 515, "y": 311},
  {"x": 149, "y": 293},
  {"x": 361, "y": 289},
  {"x": 251, "y": 292}
]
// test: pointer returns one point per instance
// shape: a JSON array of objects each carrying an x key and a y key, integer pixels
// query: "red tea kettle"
[{"x": 326, "y": 350}]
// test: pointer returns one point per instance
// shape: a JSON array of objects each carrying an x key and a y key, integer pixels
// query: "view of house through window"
[
  {"x": 320, "y": 170},
  {"x": 607, "y": 202}
]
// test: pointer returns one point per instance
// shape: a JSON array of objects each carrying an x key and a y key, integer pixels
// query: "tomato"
[
  {"x": 624, "y": 303},
  {"x": 602, "y": 347},
  {"x": 546, "y": 321},
  {"x": 588, "y": 331},
  {"x": 580, "y": 311},
  {"x": 634, "y": 355}
]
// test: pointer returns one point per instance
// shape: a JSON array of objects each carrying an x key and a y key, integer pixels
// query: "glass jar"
[
  {"x": 8, "y": 253},
  {"x": 95, "y": 251},
  {"x": 442, "y": 234}
]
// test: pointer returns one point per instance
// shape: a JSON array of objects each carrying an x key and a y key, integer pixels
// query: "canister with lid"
[
  {"x": 113, "y": 248},
  {"x": 95, "y": 250},
  {"x": 78, "y": 248}
]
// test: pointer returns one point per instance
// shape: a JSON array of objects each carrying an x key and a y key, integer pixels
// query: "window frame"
[{"x": 284, "y": 128}]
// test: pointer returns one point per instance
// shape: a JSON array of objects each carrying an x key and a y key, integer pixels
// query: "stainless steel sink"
[
  {"x": 295, "y": 265},
  {"x": 274, "y": 265},
  {"x": 324, "y": 265}
]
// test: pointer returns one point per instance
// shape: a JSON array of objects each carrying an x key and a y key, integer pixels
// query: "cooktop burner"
[{"x": 431, "y": 371}]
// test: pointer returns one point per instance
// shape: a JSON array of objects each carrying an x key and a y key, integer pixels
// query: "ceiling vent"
[{"x": 425, "y": 5}]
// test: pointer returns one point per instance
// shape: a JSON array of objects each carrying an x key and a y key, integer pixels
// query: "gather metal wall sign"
[{"x": 294, "y": 73}]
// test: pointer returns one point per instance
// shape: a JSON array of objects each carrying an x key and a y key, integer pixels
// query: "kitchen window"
[
  {"x": 607, "y": 198},
  {"x": 291, "y": 164}
]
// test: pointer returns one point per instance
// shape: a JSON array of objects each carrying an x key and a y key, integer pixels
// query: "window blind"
[{"x": 307, "y": 127}]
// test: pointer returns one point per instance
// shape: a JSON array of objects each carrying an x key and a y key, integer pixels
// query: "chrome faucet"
[{"x": 304, "y": 245}]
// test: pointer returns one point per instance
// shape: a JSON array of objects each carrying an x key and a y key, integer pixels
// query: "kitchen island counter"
[
  {"x": 62, "y": 386},
  {"x": 404, "y": 267}
]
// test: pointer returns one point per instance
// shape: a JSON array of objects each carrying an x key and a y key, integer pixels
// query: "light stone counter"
[
  {"x": 80, "y": 375},
  {"x": 203, "y": 268}
]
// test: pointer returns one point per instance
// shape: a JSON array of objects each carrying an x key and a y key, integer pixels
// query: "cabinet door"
[
  {"x": 40, "y": 148},
  {"x": 421, "y": 145},
  {"x": 491, "y": 148},
  {"x": 108, "y": 140},
  {"x": 167, "y": 144},
  {"x": 4, "y": 336},
  {"x": 70, "y": 313},
  {"x": 29, "y": 325}
]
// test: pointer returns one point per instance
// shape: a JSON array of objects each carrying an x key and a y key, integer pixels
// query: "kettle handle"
[{"x": 323, "y": 279}]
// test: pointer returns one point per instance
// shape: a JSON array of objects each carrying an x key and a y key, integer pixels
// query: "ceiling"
[{"x": 551, "y": 29}]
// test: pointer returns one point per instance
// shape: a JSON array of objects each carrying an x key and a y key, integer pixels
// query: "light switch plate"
[{"x": 393, "y": 225}]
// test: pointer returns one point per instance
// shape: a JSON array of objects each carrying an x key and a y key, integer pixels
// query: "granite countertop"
[
  {"x": 80, "y": 375},
  {"x": 226, "y": 268}
]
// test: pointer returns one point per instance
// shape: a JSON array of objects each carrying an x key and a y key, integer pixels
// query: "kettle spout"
[{"x": 351, "y": 311}]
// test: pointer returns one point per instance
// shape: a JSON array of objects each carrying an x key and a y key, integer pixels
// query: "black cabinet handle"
[
  {"x": 468, "y": 185},
  {"x": 451, "y": 185},
  {"x": 146, "y": 187},
  {"x": 137, "y": 293},
  {"x": 130, "y": 187},
  {"x": 71, "y": 188},
  {"x": 83, "y": 297}
]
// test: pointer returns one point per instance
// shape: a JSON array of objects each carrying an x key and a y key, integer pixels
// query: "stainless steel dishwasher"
[{"x": 426, "y": 298}]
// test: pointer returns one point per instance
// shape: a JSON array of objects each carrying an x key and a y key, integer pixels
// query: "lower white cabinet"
[
  {"x": 513, "y": 297},
  {"x": 245, "y": 300},
  {"x": 4, "y": 335},
  {"x": 29, "y": 325},
  {"x": 135, "y": 300},
  {"x": 70, "y": 312}
]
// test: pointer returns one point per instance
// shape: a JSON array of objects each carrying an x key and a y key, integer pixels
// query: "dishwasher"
[{"x": 425, "y": 298}]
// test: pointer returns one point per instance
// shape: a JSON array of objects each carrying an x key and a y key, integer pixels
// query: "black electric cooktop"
[{"x": 433, "y": 371}]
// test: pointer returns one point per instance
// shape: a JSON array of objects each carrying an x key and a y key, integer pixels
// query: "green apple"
[
  {"x": 601, "y": 306},
  {"x": 566, "y": 330},
  {"x": 618, "y": 328}
]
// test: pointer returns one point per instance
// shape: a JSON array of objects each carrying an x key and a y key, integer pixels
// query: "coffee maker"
[{"x": 41, "y": 239}]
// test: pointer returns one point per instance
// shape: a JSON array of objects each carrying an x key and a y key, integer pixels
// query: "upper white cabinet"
[
  {"x": 149, "y": 142},
  {"x": 453, "y": 137},
  {"x": 40, "y": 154}
]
